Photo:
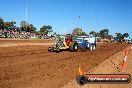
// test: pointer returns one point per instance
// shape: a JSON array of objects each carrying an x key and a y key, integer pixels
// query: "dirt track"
[{"x": 33, "y": 67}]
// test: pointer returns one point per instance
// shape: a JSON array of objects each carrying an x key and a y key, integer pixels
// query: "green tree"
[
  {"x": 49, "y": 29},
  {"x": 13, "y": 22},
  {"x": 25, "y": 26},
  {"x": 83, "y": 34},
  {"x": 118, "y": 35},
  {"x": 110, "y": 37},
  {"x": 54, "y": 34},
  {"x": 104, "y": 33},
  {"x": 1, "y": 23},
  {"x": 46, "y": 29},
  {"x": 31, "y": 28},
  {"x": 10, "y": 25},
  {"x": 97, "y": 34},
  {"x": 92, "y": 33},
  {"x": 37, "y": 32},
  {"x": 77, "y": 32},
  {"x": 125, "y": 35}
]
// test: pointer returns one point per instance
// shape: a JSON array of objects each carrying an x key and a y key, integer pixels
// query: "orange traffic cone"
[
  {"x": 81, "y": 71},
  {"x": 124, "y": 64},
  {"x": 126, "y": 52}
]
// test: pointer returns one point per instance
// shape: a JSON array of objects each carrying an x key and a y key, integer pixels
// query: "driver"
[{"x": 68, "y": 40}]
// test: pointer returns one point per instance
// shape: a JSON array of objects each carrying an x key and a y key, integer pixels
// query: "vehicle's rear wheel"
[
  {"x": 57, "y": 50},
  {"x": 94, "y": 47},
  {"x": 91, "y": 47}
]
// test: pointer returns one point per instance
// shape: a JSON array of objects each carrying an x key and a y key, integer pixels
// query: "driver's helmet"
[{"x": 68, "y": 37}]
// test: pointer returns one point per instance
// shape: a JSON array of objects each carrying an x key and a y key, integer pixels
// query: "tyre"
[
  {"x": 94, "y": 47},
  {"x": 91, "y": 47},
  {"x": 49, "y": 49},
  {"x": 73, "y": 47},
  {"x": 57, "y": 50},
  {"x": 57, "y": 47},
  {"x": 81, "y": 80}
]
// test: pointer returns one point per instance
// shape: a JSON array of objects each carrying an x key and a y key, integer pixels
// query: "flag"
[{"x": 79, "y": 17}]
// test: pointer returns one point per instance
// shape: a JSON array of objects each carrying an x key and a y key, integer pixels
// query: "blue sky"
[{"x": 62, "y": 15}]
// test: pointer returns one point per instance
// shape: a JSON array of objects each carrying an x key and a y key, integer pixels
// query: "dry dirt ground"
[
  {"x": 31, "y": 66},
  {"x": 18, "y": 42},
  {"x": 111, "y": 65}
]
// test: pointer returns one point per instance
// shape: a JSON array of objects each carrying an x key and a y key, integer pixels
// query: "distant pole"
[{"x": 26, "y": 13}]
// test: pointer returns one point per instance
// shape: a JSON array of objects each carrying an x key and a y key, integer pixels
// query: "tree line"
[
  {"x": 104, "y": 33},
  {"x": 25, "y": 26},
  {"x": 47, "y": 29}
]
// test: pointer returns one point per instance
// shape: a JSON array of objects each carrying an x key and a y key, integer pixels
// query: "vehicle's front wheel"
[
  {"x": 57, "y": 50},
  {"x": 49, "y": 49}
]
